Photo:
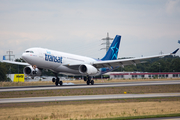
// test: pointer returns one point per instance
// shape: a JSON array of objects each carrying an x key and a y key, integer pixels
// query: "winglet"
[
  {"x": 4, "y": 57},
  {"x": 175, "y": 51}
]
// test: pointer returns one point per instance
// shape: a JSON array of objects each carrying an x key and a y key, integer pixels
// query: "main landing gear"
[
  {"x": 88, "y": 80},
  {"x": 57, "y": 81}
]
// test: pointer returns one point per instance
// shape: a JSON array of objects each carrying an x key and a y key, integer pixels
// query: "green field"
[{"x": 95, "y": 109}]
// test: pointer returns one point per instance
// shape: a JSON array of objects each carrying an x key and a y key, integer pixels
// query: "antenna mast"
[
  {"x": 108, "y": 43},
  {"x": 10, "y": 53}
]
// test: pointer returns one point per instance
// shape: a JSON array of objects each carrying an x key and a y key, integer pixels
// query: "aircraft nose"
[{"x": 24, "y": 56}]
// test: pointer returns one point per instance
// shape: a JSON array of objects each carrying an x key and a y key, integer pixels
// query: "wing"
[
  {"x": 17, "y": 63},
  {"x": 123, "y": 62}
]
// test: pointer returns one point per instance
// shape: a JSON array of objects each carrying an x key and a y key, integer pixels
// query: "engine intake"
[
  {"x": 29, "y": 70},
  {"x": 87, "y": 69}
]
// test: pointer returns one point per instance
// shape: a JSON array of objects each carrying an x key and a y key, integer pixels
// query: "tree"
[
  {"x": 3, "y": 72},
  {"x": 165, "y": 64}
]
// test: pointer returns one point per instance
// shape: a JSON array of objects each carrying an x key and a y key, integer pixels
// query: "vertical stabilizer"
[{"x": 112, "y": 52}]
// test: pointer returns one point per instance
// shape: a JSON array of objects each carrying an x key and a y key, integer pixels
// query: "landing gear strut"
[
  {"x": 88, "y": 80},
  {"x": 56, "y": 80}
]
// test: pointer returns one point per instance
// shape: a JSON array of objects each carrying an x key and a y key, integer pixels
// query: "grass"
[
  {"x": 10, "y": 84},
  {"x": 114, "y": 109},
  {"x": 89, "y": 110},
  {"x": 94, "y": 91},
  {"x": 140, "y": 117}
]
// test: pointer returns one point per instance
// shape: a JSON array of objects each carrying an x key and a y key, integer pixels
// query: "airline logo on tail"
[{"x": 115, "y": 50}]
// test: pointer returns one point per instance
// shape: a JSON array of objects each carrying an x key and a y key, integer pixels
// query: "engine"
[
  {"x": 87, "y": 69},
  {"x": 29, "y": 70}
]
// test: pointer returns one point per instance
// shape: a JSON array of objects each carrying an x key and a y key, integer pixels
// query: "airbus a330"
[{"x": 71, "y": 64}]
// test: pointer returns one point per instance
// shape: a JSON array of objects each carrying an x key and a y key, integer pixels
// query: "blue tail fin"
[{"x": 112, "y": 52}]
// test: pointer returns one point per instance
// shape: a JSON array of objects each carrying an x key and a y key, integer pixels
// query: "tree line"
[{"x": 165, "y": 64}]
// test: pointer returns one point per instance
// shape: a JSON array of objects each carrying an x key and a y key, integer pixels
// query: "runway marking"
[{"x": 86, "y": 97}]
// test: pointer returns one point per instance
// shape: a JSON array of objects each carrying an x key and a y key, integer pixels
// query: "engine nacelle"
[
  {"x": 87, "y": 69},
  {"x": 29, "y": 70}
]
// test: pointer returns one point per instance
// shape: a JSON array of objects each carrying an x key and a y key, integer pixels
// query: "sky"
[{"x": 147, "y": 27}]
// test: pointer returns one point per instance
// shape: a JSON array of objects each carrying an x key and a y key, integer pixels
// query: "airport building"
[{"x": 140, "y": 75}]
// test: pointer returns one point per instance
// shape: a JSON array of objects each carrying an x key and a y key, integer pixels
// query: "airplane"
[{"x": 38, "y": 59}]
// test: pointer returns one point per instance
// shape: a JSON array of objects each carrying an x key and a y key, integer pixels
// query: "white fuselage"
[{"x": 55, "y": 61}]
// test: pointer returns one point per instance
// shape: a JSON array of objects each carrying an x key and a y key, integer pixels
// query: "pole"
[
  {"x": 18, "y": 73},
  {"x": 107, "y": 42}
]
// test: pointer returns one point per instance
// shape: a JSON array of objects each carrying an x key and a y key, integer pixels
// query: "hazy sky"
[{"x": 147, "y": 27}]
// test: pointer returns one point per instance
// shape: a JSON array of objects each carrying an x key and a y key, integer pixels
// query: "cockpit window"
[{"x": 29, "y": 52}]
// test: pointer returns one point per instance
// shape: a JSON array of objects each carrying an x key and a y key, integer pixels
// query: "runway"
[
  {"x": 96, "y": 85},
  {"x": 164, "y": 118},
  {"x": 86, "y": 97}
]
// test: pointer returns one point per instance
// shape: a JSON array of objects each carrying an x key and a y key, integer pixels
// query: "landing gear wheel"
[
  {"x": 85, "y": 78},
  {"x": 88, "y": 82},
  {"x": 89, "y": 78},
  {"x": 34, "y": 72},
  {"x": 57, "y": 81},
  {"x": 61, "y": 83},
  {"x": 92, "y": 82},
  {"x": 53, "y": 79}
]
